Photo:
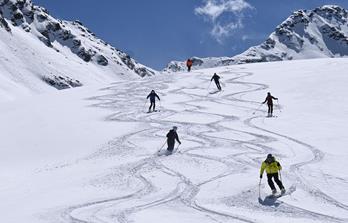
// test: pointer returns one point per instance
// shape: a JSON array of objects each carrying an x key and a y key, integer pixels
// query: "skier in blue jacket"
[{"x": 152, "y": 97}]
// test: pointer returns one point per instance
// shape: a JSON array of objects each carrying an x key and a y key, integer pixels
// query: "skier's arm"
[
  {"x": 279, "y": 166},
  {"x": 274, "y": 98},
  {"x": 263, "y": 166},
  {"x": 264, "y": 101},
  {"x": 148, "y": 96},
  {"x": 158, "y": 97},
  {"x": 177, "y": 138}
]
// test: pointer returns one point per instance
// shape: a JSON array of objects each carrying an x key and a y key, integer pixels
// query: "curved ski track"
[{"x": 126, "y": 100}]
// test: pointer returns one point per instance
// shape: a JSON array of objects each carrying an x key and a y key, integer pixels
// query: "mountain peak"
[
  {"x": 42, "y": 54},
  {"x": 55, "y": 33},
  {"x": 321, "y": 32}
]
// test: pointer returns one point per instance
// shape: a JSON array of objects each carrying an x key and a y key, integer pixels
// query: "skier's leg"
[
  {"x": 278, "y": 182},
  {"x": 271, "y": 109},
  {"x": 150, "y": 107},
  {"x": 219, "y": 86},
  {"x": 170, "y": 146},
  {"x": 154, "y": 106},
  {"x": 270, "y": 181}
]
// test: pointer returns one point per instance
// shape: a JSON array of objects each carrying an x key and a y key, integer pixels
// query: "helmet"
[
  {"x": 153, "y": 91},
  {"x": 270, "y": 158},
  {"x": 175, "y": 128}
]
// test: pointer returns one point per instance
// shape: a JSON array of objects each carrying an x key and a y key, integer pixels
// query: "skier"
[
  {"x": 216, "y": 78},
  {"x": 152, "y": 97},
  {"x": 171, "y": 137},
  {"x": 269, "y": 100},
  {"x": 272, "y": 168},
  {"x": 189, "y": 64}
]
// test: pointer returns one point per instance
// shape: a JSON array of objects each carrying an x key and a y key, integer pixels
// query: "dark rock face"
[
  {"x": 73, "y": 35},
  {"x": 174, "y": 67},
  {"x": 131, "y": 64},
  {"x": 85, "y": 55},
  {"x": 268, "y": 44},
  {"x": 128, "y": 61},
  {"x": 3, "y": 23},
  {"x": 61, "y": 82},
  {"x": 102, "y": 60}
]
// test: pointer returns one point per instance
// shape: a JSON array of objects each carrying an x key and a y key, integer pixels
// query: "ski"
[
  {"x": 153, "y": 111},
  {"x": 289, "y": 191},
  {"x": 273, "y": 116}
]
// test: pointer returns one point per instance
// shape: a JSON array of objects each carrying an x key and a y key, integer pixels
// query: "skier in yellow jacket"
[{"x": 272, "y": 168}]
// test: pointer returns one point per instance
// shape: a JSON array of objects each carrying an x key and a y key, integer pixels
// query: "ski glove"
[{"x": 260, "y": 176}]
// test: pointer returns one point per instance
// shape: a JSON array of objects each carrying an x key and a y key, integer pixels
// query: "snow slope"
[
  {"x": 87, "y": 154},
  {"x": 41, "y": 54},
  {"x": 318, "y": 33}
]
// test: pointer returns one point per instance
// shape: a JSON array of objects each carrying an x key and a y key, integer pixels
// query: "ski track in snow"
[{"x": 184, "y": 189}]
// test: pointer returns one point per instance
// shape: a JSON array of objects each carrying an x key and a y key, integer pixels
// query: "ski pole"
[
  {"x": 177, "y": 148},
  {"x": 160, "y": 105},
  {"x": 279, "y": 106},
  {"x": 162, "y": 146},
  {"x": 209, "y": 85},
  {"x": 280, "y": 176},
  {"x": 260, "y": 188},
  {"x": 208, "y": 89},
  {"x": 257, "y": 109},
  {"x": 144, "y": 104}
]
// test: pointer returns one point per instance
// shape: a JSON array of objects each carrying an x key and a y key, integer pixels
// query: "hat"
[
  {"x": 175, "y": 128},
  {"x": 269, "y": 156}
]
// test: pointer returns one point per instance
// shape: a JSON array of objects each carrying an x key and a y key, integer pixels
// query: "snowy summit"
[
  {"x": 41, "y": 53},
  {"x": 306, "y": 34}
]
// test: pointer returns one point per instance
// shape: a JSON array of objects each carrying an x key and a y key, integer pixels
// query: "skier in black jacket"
[
  {"x": 152, "y": 97},
  {"x": 171, "y": 137},
  {"x": 269, "y": 100},
  {"x": 216, "y": 79}
]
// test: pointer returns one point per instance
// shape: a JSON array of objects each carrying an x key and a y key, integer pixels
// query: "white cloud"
[
  {"x": 219, "y": 32},
  {"x": 213, "y": 10}
]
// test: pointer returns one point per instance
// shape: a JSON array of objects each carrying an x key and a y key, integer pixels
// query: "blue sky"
[{"x": 157, "y": 31}]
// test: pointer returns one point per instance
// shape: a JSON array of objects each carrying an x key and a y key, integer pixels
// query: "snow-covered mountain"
[
  {"x": 318, "y": 33},
  {"x": 39, "y": 52}
]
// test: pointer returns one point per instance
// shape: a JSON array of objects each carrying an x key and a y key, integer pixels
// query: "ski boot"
[
  {"x": 274, "y": 192},
  {"x": 283, "y": 191}
]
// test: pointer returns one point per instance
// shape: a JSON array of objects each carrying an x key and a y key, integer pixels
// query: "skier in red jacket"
[{"x": 189, "y": 64}]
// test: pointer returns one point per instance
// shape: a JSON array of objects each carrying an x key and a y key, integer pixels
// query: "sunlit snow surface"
[{"x": 88, "y": 155}]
